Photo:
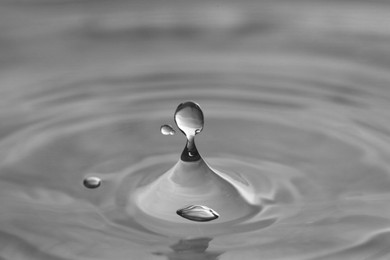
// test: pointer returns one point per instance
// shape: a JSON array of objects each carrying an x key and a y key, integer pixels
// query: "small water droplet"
[
  {"x": 198, "y": 213},
  {"x": 167, "y": 130},
  {"x": 189, "y": 118},
  {"x": 92, "y": 182}
]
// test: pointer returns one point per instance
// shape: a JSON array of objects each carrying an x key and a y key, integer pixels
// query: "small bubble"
[
  {"x": 198, "y": 213},
  {"x": 92, "y": 182},
  {"x": 167, "y": 130}
]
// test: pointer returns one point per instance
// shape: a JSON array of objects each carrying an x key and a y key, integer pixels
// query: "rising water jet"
[{"x": 191, "y": 188}]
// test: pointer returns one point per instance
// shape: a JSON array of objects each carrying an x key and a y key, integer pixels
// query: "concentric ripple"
[{"x": 296, "y": 100}]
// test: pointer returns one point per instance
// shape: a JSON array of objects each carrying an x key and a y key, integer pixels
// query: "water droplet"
[
  {"x": 167, "y": 130},
  {"x": 92, "y": 182},
  {"x": 189, "y": 119},
  {"x": 198, "y": 213}
]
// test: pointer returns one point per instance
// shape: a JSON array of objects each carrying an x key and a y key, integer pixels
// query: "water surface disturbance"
[
  {"x": 294, "y": 148},
  {"x": 191, "y": 181}
]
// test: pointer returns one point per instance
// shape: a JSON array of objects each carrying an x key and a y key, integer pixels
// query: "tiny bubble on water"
[
  {"x": 167, "y": 130},
  {"x": 198, "y": 213},
  {"x": 92, "y": 182}
]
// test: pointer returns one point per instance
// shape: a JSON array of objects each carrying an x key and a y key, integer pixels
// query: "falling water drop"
[
  {"x": 92, "y": 182},
  {"x": 167, "y": 130},
  {"x": 189, "y": 119},
  {"x": 198, "y": 213}
]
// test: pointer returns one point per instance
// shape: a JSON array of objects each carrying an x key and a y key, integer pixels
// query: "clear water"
[
  {"x": 92, "y": 182},
  {"x": 167, "y": 130},
  {"x": 189, "y": 119},
  {"x": 296, "y": 100},
  {"x": 198, "y": 213}
]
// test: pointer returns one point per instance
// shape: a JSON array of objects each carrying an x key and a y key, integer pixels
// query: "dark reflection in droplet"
[
  {"x": 198, "y": 213},
  {"x": 92, "y": 182},
  {"x": 167, "y": 130},
  {"x": 193, "y": 249},
  {"x": 189, "y": 119}
]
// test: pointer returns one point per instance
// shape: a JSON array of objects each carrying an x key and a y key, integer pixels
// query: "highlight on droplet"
[
  {"x": 167, "y": 130},
  {"x": 198, "y": 213},
  {"x": 92, "y": 182}
]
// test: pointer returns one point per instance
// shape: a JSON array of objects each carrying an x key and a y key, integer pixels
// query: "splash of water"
[
  {"x": 193, "y": 182},
  {"x": 189, "y": 119}
]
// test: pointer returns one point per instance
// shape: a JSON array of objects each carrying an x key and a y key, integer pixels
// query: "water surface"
[{"x": 296, "y": 100}]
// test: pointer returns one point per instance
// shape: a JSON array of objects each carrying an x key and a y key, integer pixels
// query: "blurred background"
[{"x": 44, "y": 41}]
